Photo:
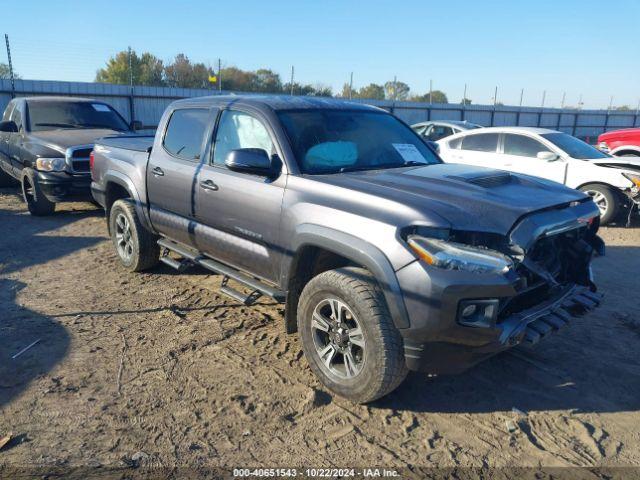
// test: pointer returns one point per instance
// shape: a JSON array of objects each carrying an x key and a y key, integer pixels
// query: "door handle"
[
  {"x": 208, "y": 185},
  {"x": 158, "y": 172}
]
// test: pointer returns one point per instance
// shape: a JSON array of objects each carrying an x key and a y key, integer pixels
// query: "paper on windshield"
[
  {"x": 409, "y": 152},
  {"x": 100, "y": 107}
]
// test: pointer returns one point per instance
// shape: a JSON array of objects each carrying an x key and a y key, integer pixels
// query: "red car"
[{"x": 621, "y": 143}]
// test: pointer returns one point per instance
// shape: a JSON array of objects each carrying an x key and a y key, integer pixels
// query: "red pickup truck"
[{"x": 621, "y": 143}]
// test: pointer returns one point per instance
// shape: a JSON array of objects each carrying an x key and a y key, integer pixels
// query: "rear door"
[
  {"x": 477, "y": 149},
  {"x": 172, "y": 173},
  {"x": 519, "y": 154},
  {"x": 16, "y": 139},
  {"x": 238, "y": 213}
]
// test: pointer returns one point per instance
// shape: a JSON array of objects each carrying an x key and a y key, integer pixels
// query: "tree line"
[{"x": 147, "y": 69}]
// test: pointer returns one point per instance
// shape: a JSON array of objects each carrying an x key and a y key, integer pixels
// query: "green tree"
[
  {"x": 623, "y": 108},
  {"x": 465, "y": 101},
  {"x": 396, "y": 90},
  {"x": 5, "y": 73},
  {"x": 233, "y": 78},
  {"x": 266, "y": 81},
  {"x": 184, "y": 74},
  {"x": 373, "y": 91},
  {"x": 147, "y": 69},
  {"x": 437, "y": 96}
]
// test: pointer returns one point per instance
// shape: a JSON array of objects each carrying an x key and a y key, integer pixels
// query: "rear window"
[
  {"x": 185, "y": 132},
  {"x": 482, "y": 142}
]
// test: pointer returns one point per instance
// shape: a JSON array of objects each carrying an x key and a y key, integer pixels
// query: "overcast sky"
[{"x": 574, "y": 46}]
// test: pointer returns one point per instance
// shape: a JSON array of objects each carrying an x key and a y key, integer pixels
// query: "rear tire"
[
  {"x": 605, "y": 198},
  {"x": 357, "y": 352},
  {"x": 137, "y": 247},
  {"x": 37, "y": 203}
]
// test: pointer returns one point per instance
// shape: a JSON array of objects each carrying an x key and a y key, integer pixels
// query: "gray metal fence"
[{"x": 146, "y": 104}]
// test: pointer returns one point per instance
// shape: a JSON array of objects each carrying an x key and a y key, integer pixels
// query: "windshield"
[
  {"x": 333, "y": 141},
  {"x": 573, "y": 147},
  {"x": 54, "y": 115}
]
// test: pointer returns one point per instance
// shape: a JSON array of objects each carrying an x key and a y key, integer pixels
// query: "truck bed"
[{"x": 137, "y": 143}]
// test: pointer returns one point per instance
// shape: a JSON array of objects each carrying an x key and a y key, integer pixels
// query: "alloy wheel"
[
  {"x": 124, "y": 242},
  {"x": 600, "y": 200},
  {"x": 338, "y": 339}
]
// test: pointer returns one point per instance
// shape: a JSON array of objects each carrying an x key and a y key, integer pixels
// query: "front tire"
[
  {"x": 348, "y": 335},
  {"x": 137, "y": 247},
  {"x": 606, "y": 200},
  {"x": 37, "y": 203}
]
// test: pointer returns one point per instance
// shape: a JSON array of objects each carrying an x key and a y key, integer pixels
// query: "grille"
[{"x": 78, "y": 158}]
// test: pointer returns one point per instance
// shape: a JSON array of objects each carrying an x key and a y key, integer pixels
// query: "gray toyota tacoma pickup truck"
[{"x": 387, "y": 259}]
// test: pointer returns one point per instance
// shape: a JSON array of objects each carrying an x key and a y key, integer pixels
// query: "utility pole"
[
  {"x": 291, "y": 80},
  {"x": 219, "y": 75},
  {"x": 351, "y": 86},
  {"x": 395, "y": 87},
  {"x": 580, "y": 102},
  {"x": 464, "y": 95},
  {"x": 431, "y": 91},
  {"x": 131, "y": 98},
  {"x": 610, "y": 103},
  {"x": 544, "y": 95},
  {"x": 521, "y": 96},
  {"x": 564, "y": 94},
  {"x": 130, "y": 70},
  {"x": 495, "y": 97},
  {"x": 13, "y": 84}
]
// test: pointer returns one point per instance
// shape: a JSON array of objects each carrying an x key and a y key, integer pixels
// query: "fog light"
[{"x": 478, "y": 313}]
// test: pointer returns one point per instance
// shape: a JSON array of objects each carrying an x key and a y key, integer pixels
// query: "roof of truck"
[
  {"x": 279, "y": 102},
  {"x": 51, "y": 98}
]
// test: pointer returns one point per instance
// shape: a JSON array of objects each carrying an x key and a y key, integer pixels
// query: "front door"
[
  {"x": 238, "y": 214},
  {"x": 172, "y": 173},
  {"x": 520, "y": 154}
]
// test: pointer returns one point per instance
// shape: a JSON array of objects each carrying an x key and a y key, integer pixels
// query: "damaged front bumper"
[{"x": 529, "y": 303}]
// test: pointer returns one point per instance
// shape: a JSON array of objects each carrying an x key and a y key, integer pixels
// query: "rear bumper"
[
  {"x": 64, "y": 187},
  {"x": 436, "y": 343}
]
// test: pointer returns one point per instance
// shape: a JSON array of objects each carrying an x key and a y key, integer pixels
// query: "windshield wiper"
[
  {"x": 61, "y": 125},
  {"x": 409, "y": 163},
  {"x": 97, "y": 125}
]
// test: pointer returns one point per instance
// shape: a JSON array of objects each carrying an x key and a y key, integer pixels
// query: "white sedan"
[{"x": 613, "y": 182}]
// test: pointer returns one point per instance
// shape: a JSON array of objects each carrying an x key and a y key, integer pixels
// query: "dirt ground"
[{"x": 157, "y": 369}]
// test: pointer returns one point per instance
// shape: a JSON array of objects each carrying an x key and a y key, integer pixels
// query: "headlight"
[
  {"x": 51, "y": 164},
  {"x": 456, "y": 256},
  {"x": 635, "y": 179},
  {"x": 603, "y": 147}
]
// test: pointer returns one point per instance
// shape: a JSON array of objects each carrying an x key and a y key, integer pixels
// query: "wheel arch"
[
  {"x": 118, "y": 186},
  {"x": 311, "y": 239}
]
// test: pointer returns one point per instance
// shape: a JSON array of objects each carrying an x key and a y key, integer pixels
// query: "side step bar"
[{"x": 193, "y": 257}]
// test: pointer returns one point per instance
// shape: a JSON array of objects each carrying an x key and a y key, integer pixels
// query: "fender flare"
[
  {"x": 125, "y": 182},
  {"x": 361, "y": 252}
]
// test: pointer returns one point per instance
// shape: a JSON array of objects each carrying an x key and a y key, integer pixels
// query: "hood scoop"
[{"x": 489, "y": 181}]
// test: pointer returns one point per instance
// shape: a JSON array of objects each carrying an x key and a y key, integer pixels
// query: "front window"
[
  {"x": 239, "y": 130},
  {"x": 333, "y": 141},
  {"x": 522, "y": 146},
  {"x": 439, "y": 131},
  {"x": 573, "y": 147},
  {"x": 45, "y": 115}
]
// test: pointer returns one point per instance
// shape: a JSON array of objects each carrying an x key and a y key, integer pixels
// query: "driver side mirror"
[
  {"x": 8, "y": 126},
  {"x": 250, "y": 160},
  {"x": 547, "y": 156}
]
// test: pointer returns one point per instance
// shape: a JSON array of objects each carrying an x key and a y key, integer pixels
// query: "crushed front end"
[{"x": 541, "y": 278}]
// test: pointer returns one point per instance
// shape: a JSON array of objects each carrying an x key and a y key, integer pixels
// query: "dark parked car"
[
  {"x": 45, "y": 144},
  {"x": 386, "y": 258}
]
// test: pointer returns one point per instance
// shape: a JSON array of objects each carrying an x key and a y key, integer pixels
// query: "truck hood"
[
  {"x": 62, "y": 139},
  {"x": 468, "y": 198}
]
